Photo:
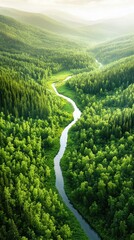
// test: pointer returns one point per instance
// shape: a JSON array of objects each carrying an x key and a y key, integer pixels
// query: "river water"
[
  {"x": 99, "y": 64},
  {"x": 91, "y": 234}
]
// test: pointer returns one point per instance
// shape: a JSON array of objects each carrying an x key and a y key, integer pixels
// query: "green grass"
[
  {"x": 65, "y": 90},
  {"x": 68, "y": 108},
  {"x": 58, "y": 79},
  {"x": 60, "y": 76}
]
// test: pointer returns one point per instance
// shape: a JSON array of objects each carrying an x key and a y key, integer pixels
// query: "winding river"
[
  {"x": 91, "y": 234},
  {"x": 99, "y": 64}
]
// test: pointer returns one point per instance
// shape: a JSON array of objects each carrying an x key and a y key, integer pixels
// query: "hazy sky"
[{"x": 86, "y": 9}]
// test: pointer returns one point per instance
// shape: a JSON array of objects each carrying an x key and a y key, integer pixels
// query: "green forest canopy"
[
  {"x": 99, "y": 169},
  {"x": 98, "y": 166},
  {"x": 31, "y": 121}
]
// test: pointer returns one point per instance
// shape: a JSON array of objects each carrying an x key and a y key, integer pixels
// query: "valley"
[{"x": 36, "y": 125}]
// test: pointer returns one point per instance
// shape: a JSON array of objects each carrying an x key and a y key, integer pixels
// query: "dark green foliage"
[
  {"x": 123, "y": 98},
  {"x": 98, "y": 165},
  {"x": 31, "y": 121},
  {"x": 118, "y": 74},
  {"x": 27, "y": 66},
  {"x": 27, "y": 99}
]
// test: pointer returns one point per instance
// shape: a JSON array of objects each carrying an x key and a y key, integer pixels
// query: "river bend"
[{"x": 91, "y": 234}]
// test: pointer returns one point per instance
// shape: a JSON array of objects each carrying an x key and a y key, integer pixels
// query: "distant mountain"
[
  {"x": 56, "y": 25},
  {"x": 99, "y": 30},
  {"x": 74, "y": 28},
  {"x": 104, "y": 30},
  {"x": 36, "y": 53},
  {"x": 12, "y": 30},
  {"x": 37, "y": 20},
  {"x": 65, "y": 17}
]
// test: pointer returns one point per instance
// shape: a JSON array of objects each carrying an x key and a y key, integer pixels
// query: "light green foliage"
[
  {"x": 31, "y": 120},
  {"x": 35, "y": 53},
  {"x": 25, "y": 188},
  {"x": 115, "y": 49},
  {"x": 30, "y": 207},
  {"x": 99, "y": 161},
  {"x": 98, "y": 165}
]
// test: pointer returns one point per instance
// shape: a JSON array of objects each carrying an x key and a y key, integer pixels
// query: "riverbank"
[{"x": 58, "y": 172}]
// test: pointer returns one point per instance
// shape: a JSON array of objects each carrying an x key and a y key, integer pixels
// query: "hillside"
[
  {"x": 38, "y": 20},
  {"x": 31, "y": 121},
  {"x": 36, "y": 50},
  {"x": 63, "y": 24},
  {"x": 63, "y": 28},
  {"x": 104, "y": 30},
  {"x": 98, "y": 165},
  {"x": 31, "y": 35},
  {"x": 115, "y": 49},
  {"x": 21, "y": 45}
]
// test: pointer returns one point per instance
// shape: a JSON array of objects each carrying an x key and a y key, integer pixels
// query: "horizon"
[{"x": 88, "y": 10}]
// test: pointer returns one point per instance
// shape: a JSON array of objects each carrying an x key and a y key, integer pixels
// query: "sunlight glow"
[
  {"x": 96, "y": 13},
  {"x": 86, "y": 9}
]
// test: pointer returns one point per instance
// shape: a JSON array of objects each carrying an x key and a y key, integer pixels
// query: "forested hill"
[
  {"x": 119, "y": 74},
  {"x": 31, "y": 35},
  {"x": 28, "y": 54},
  {"x": 31, "y": 121},
  {"x": 21, "y": 45},
  {"x": 39, "y": 20},
  {"x": 115, "y": 49},
  {"x": 99, "y": 161},
  {"x": 98, "y": 166},
  {"x": 86, "y": 32}
]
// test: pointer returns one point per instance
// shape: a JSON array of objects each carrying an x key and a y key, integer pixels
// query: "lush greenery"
[
  {"x": 115, "y": 49},
  {"x": 62, "y": 24},
  {"x": 99, "y": 161},
  {"x": 98, "y": 166},
  {"x": 30, "y": 207},
  {"x": 28, "y": 99},
  {"x": 38, "y": 54},
  {"x": 31, "y": 121}
]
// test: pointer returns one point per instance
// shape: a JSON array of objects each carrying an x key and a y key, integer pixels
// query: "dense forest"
[
  {"x": 31, "y": 121},
  {"x": 38, "y": 54},
  {"x": 98, "y": 166},
  {"x": 29, "y": 207},
  {"x": 114, "y": 49}
]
